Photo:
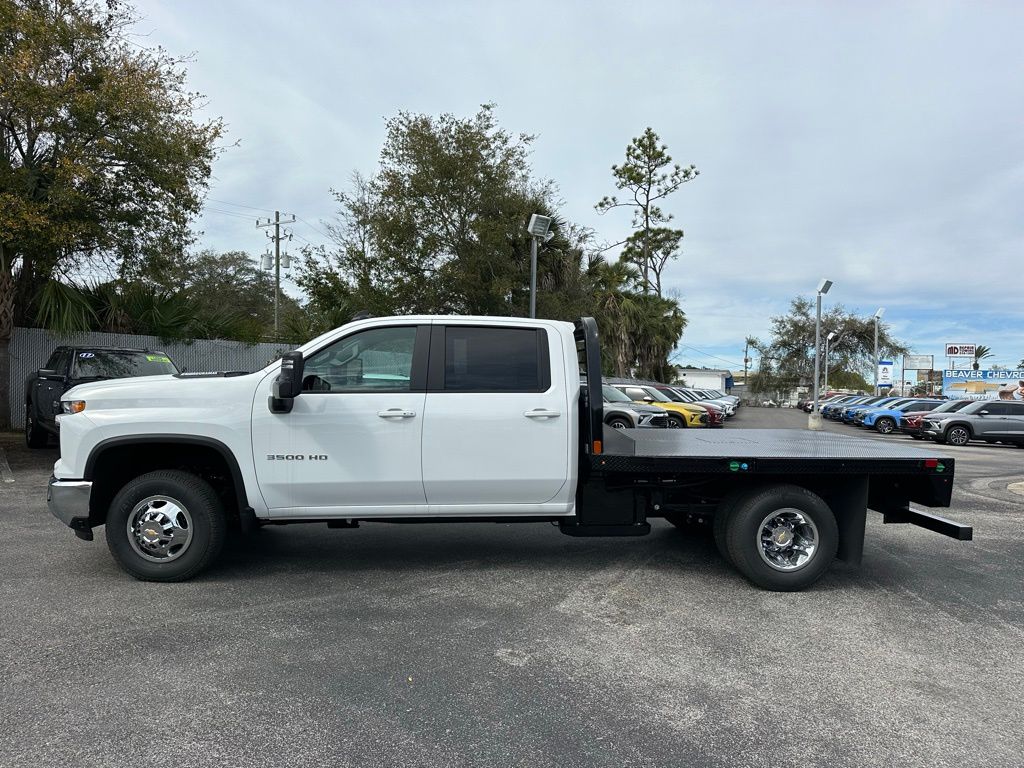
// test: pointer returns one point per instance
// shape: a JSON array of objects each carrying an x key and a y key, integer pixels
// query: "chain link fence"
[{"x": 31, "y": 348}]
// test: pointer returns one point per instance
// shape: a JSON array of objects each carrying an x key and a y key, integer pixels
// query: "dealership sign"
[
  {"x": 884, "y": 373},
  {"x": 917, "y": 362},
  {"x": 960, "y": 350},
  {"x": 961, "y": 384}
]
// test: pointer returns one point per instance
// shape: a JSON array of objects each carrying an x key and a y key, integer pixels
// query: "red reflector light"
[
  {"x": 931, "y": 463},
  {"x": 597, "y": 447}
]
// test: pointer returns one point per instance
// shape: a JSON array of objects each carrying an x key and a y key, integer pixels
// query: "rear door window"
[{"x": 495, "y": 360}]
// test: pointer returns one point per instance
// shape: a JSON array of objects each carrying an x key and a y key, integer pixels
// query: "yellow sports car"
[{"x": 680, "y": 414}]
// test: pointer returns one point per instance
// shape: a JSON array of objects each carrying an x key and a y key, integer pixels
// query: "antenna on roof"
[{"x": 361, "y": 315}]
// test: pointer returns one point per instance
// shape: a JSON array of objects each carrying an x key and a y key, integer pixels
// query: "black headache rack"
[{"x": 626, "y": 476}]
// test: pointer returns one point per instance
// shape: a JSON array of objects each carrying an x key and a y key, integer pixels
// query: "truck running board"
[
  {"x": 572, "y": 529},
  {"x": 935, "y": 523}
]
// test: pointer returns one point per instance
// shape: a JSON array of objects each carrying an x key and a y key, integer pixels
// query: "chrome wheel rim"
[
  {"x": 160, "y": 529},
  {"x": 787, "y": 539},
  {"x": 885, "y": 426}
]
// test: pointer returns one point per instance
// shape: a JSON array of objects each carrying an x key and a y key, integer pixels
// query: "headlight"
[{"x": 72, "y": 406}]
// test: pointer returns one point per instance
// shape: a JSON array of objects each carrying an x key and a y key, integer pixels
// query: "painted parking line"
[{"x": 5, "y": 469}]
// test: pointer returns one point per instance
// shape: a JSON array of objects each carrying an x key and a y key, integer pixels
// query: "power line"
[
  {"x": 237, "y": 215},
  {"x": 322, "y": 234},
  {"x": 732, "y": 363},
  {"x": 240, "y": 205}
]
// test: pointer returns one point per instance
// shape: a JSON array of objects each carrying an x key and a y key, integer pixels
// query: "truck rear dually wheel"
[
  {"x": 782, "y": 537},
  {"x": 165, "y": 526}
]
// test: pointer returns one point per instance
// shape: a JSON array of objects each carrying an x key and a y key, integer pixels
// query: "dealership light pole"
[
  {"x": 828, "y": 338},
  {"x": 539, "y": 229},
  {"x": 878, "y": 316},
  {"x": 814, "y": 420}
]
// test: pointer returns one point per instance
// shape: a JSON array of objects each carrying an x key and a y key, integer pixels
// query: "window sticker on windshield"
[
  {"x": 86, "y": 355},
  {"x": 158, "y": 358}
]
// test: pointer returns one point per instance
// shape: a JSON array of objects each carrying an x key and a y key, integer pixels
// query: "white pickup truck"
[{"x": 457, "y": 419}]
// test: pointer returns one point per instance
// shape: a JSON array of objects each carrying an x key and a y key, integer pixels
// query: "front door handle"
[
  {"x": 396, "y": 413},
  {"x": 542, "y": 413}
]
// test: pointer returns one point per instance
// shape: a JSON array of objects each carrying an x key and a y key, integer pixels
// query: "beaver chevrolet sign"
[{"x": 959, "y": 384}]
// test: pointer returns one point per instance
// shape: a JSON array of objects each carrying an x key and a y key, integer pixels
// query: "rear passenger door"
[
  {"x": 1002, "y": 420},
  {"x": 496, "y": 424}
]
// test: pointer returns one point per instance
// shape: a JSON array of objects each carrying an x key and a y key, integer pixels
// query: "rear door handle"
[
  {"x": 542, "y": 413},
  {"x": 396, "y": 413}
]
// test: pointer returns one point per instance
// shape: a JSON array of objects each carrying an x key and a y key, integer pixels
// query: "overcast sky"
[{"x": 880, "y": 145}]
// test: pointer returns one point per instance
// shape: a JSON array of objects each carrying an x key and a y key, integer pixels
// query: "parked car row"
[
  {"x": 956, "y": 422},
  {"x": 684, "y": 407}
]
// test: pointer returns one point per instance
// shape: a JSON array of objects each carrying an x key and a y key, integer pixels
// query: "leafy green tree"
[
  {"x": 441, "y": 226},
  {"x": 648, "y": 176},
  {"x": 787, "y": 358},
  {"x": 102, "y": 159}
]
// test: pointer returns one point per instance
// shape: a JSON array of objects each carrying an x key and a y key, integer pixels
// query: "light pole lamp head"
[
  {"x": 879, "y": 313},
  {"x": 539, "y": 226},
  {"x": 824, "y": 286},
  {"x": 831, "y": 335}
]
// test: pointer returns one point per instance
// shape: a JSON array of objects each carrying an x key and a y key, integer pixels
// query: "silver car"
[
  {"x": 994, "y": 421},
  {"x": 622, "y": 413}
]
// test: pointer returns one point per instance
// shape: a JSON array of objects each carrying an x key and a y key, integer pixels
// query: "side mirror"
[
  {"x": 983, "y": 413},
  {"x": 48, "y": 373},
  {"x": 648, "y": 399},
  {"x": 288, "y": 383}
]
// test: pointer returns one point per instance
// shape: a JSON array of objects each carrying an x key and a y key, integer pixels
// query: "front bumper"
[{"x": 68, "y": 500}]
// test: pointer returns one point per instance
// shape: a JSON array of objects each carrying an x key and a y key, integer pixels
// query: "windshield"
[
  {"x": 913, "y": 405},
  {"x": 951, "y": 405},
  {"x": 656, "y": 395},
  {"x": 671, "y": 394},
  {"x": 613, "y": 395},
  {"x": 116, "y": 364}
]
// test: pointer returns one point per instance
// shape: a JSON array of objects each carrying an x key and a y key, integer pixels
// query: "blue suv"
[{"x": 886, "y": 420}]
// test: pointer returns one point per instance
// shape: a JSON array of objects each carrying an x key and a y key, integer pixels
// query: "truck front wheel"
[
  {"x": 35, "y": 436},
  {"x": 165, "y": 526},
  {"x": 782, "y": 537}
]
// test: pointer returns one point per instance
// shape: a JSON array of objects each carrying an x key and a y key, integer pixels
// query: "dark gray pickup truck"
[{"x": 70, "y": 366}]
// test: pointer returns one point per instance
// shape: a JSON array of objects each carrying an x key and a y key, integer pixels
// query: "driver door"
[{"x": 351, "y": 443}]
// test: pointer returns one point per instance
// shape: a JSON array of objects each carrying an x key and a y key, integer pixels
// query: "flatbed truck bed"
[{"x": 750, "y": 485}]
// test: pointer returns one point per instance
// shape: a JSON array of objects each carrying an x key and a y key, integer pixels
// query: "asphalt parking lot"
[{"x": 512, "y": 645}]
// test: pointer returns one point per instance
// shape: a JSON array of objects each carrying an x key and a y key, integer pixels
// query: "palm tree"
[{"x": 980, "y": 353}]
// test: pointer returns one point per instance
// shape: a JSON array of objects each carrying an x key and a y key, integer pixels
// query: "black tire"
[
  {"x": 885, "y": 425},
  {"x": 675, "y": 421},
  {"x": 35, "y": 436},
  {"x": 750, "y": 518},
  {"x": 958, "y": 435},
  {"x": 720, "y": 523},
  {"x": 619, "y": 422},
  {"x": 203, "y": 511}
]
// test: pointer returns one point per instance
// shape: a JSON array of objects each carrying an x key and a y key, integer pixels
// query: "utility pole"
[
  {"x": 746, "y": 361},
  {"x": 277, "y": 237}
]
